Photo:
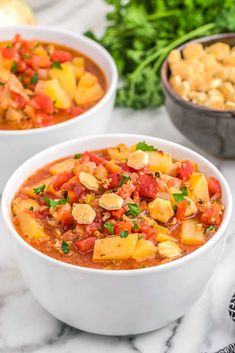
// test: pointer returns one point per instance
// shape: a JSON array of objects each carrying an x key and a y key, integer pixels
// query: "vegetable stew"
[
  {"x": 42, "y": 84},
  {"x": 118, "y": 208}
]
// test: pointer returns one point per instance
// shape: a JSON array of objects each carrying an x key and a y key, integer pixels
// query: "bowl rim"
[
  {"x": 102, "y": 52},
  {"x": 160, "y": 268},
  {"x": 200, "y": 108}
]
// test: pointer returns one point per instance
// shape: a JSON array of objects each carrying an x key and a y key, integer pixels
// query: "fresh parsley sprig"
[
  {"x": 134, "y": 210},
  {"x": 65, "y": 247},
  {"x": 53, "y": 203},
  {"x": 143, "y": 146},
  {"x": 39, "y": 189},
  {"x": 122, "y": 181},
  {"x": 109, "y": 226}
]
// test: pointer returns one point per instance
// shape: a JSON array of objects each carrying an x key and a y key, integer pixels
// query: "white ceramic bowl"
[
  {"x": 16, "y": 146},
  {"x": 116, "y": 302}
]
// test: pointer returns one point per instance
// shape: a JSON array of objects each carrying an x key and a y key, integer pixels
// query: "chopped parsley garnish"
[
  {"x": 26, "y": 56},
  {"x": 65, "y": 247},
  {"x": 77, "y": 155},
  {"x": 143, "y": 146},
  {"x": 10, "y": 45},
  {"x": 110, "y": 227},
  {"x": 2, "y": 83},
  {"x": 134, "y": 210},
  {"x": 157, "y": 175},
  {"x": 39, "y": 189},
  {"x": 211, "y": 228},
  {"x": 124, "y": 233},
  {"x": 31, "y": 208},
  {"x": 181, "y": 195},
  {"x": 135, "y": 225},
  {"x": 52, "y": 203},
  {"x": 14, "y": 67},
  {"x": 139, "y": 236},
  {"x": 123, "y": 180},
  {"x": 200, "y": 201},
  {"x": 175, "y": 208},
  {"x": 34, "y": 78},
  {"x": 56, "y": 65}
]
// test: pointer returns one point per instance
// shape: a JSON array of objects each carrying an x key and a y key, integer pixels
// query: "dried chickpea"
[
  {"x": 214, "y": 102},
  {"x": 182, "y": 69},
  {"x": 231, "y": 74},
  {"x": 193, "y": 50},
  {"x": 210, "y": 63},
  {"x": 228, "y": 91},
  {"x": 216, "y": 93},
  {"x": 229, "y": 60},
  {"x": 219, "y": 50},
  {"x": 180, "y": 87},
  {"x": 174, "y": 57},
  {"x": 200, "y": 82},
  {"x": 197, "y": 97},
  {"x": 230, "y": 105},
  {"x": 222, "y": 72}
]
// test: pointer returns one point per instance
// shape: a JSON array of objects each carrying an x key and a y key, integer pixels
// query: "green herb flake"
[
  {"x": 110, "y": 227},
  {"x": 52, "y": 203},
  {"x": 143, "y": 146},
  {"x": 39, "y": 189},
  {"x": 14, "y": 67},
  {"x": 211, "y": 228},
  {"x": 2, "y": 83},
  {"x": 65, "y": 247},
  {"x": 56, "y": 65},
  {"x": 34, "y": 79},
  {"x": 124, "y": 233},
  {"x": 140, "y": 236},
  {"x": 10, "y": 45},
  {"x": 181, "y": 195},
  {"x": 157, "y": 175},
  {"x": 77, "y": 155},
  {"x": 31, "y": 208},
  {"x": 134, "y": 210},
  {"x": 135, "y": 225},
  {"x": 26, "y": 56},
  {"x": 122, "y": 181}
]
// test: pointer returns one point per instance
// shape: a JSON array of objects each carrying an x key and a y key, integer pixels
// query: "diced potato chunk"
[
  {"x": 164, "y": 237},
  {"x": 144, "y": 250},
  {"x": 78, "y": 66},
  {"x": 161, "y": 210},
  {"x": 160, "y": 161},
  {"x": 100, "y": 172},
  {"x": 191, "y": 208},
  {"x": 138, "y": 159},
  {"x": 65, "y": 165},
  {"x": 121, "y": 152},
  {"x": 88, "y": 90},
  {"x": 30, "y": 190},
  {"x": 53, "y": 89},
  {"x": 198, "y": 188},
  {"x": 66, "y": 77},
  {"x": 20, "y": 205},
  {"x": 30, "y": 226},
  {"x": 169, "y": 249},
  {"x": 115, "y": 248},
  {"x": 192, "y": 233}
]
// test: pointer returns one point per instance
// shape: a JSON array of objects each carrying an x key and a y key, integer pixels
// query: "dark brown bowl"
[{"x": 211, "y": 130}]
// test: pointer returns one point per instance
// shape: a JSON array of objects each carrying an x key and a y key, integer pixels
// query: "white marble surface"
[{"x": 26, "y": 328}]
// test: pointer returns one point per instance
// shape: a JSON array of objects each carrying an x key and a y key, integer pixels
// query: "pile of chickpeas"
[{"x": 204, "y": 76}]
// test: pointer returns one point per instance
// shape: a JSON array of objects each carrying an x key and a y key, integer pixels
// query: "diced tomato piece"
[
  {"x": 60, "y": 179},
  {"x": 95, "y": 225},
  {"x": 86, "y": 245},
  {"x": 8, "y": 53},
  {"x": 75, "y": 111},
  {"x": 122, "y": 226},
  {"x": 79, "y": 190},
  {"x": 148, "y": 186},
  {"x": 93, "y": 158},
  {"x": 185, "y": 170},
  {"x": 127, "y": 169},
  {"x": 61, "y": 56},
  {"x": 44, "y": 103},
  {"x": 67, "y": 220},
  {"x": 19, "y": 100},
  {"x": 17, "y": 38},
  {"x": 117, "y": 214},
  {"x": 212, "y": 214},
  {"x": 44, "y": 119},
  {"x": 214, "y": 187},
  {"x": 114, "y": 180},
  {"x": 181, "y": 208},
  {"x": 148, "y": 233},
  {"x": 72, "y": 196},
  {"x": 21, "y": 66}
]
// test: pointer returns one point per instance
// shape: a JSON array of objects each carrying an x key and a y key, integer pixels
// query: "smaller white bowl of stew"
[
  {"x": 117, "y": 234},
  {"x": 54, "y": 85}
]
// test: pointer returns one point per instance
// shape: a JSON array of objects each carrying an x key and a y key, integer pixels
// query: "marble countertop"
[{"x": 25, "y": 327}]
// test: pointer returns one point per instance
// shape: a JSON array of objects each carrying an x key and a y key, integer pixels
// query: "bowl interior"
[{"x": 102, "y": 141}]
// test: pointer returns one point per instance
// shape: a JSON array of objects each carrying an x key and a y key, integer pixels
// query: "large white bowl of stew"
[
  {"x": 54, "y": 85},
  {"x": 117, "y": 234}
]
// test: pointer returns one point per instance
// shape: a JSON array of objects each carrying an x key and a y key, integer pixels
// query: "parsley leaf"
[
  {"x": 31, "y": 208},
  {"x": 56, "y": 65},
  {"x": 65, "y": 247},
  {"x": 211, "y": 228},
  {"x": 181, "y": 195},
  {"x": 135, "y": 225},
  {"x": 139, "y": 236},
  {"x": 77, "y": 155},
  {"x": 34, "y": 78},
  {"x": 14, "y": 67},
  {"x": 124, "y": 233},
  {"x": 52, "y": 203},
  {"x": 26, "y": 56},
  {"x": 134, "y": 210},
  {"x": 143, "y": 146},
  {"x": 39, "y": 189},
  {"x": 110, "y": 227},
  {"x": 122, "y": 181},
  {"x": 10, "y": 45}
]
